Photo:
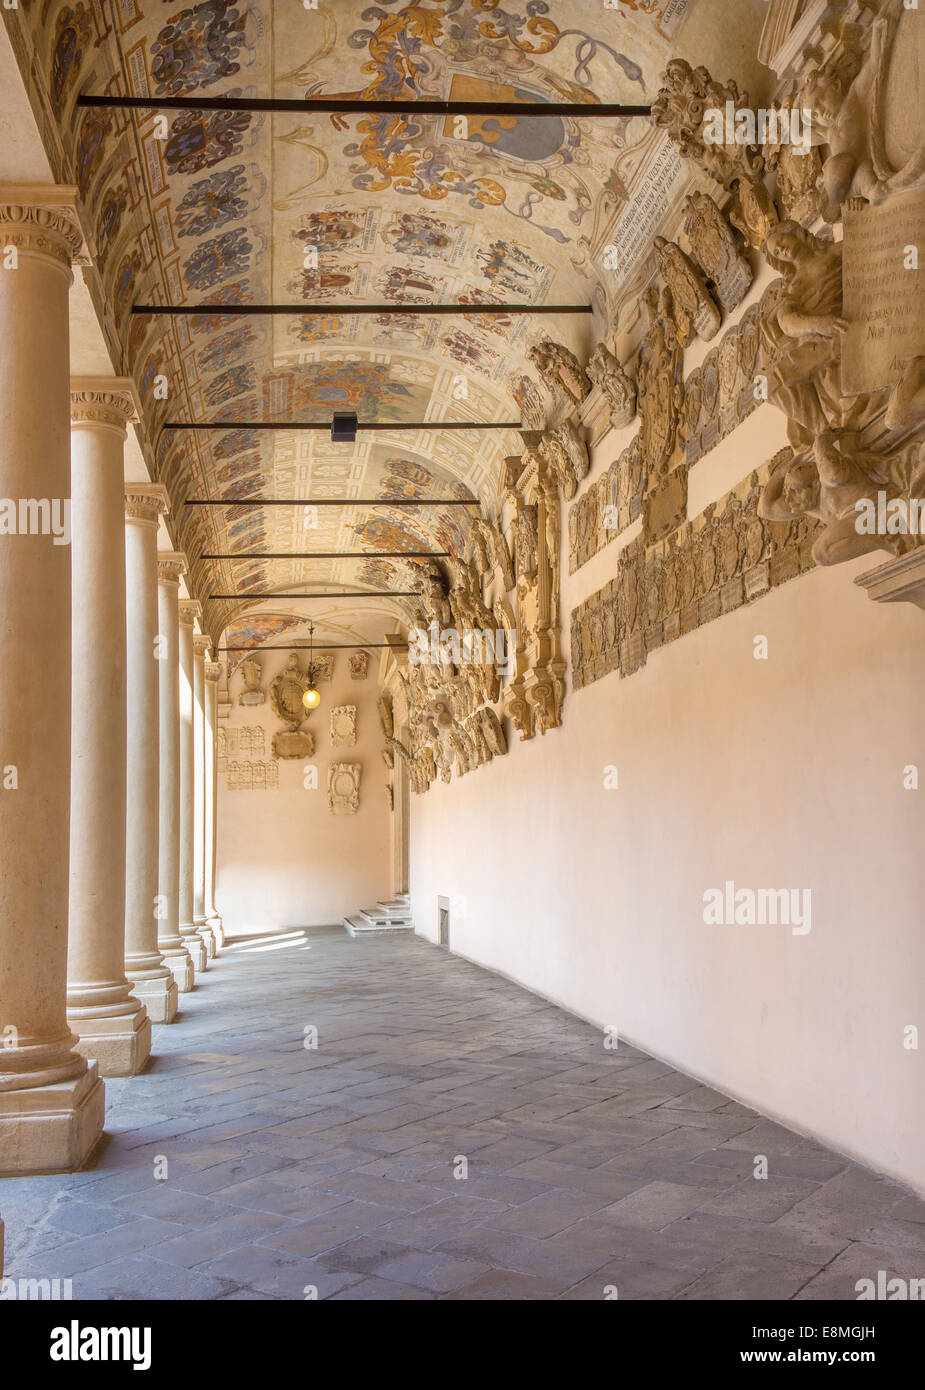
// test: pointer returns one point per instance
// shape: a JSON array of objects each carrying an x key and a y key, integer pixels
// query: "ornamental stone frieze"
[{"x": 727, "y": 557}]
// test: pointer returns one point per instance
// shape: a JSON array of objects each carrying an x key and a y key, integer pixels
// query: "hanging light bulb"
[{"x": 310, "y": 696}]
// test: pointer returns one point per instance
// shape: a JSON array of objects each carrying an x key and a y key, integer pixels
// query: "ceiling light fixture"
[{"x": 310, "y": 697}]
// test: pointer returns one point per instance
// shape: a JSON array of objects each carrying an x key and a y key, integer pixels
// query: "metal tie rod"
[
  {"x": 346, "y": 310},
  {"x": 358, "y": 593},
  {"x": 317, "y": 646},
  {"x": 326, "y": 425},
  {"x": 334, "y": 502},
  {"x": 345, "y": 106},
  {"x": 334, "y": 555}
]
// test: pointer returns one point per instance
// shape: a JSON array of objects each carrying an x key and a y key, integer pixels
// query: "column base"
[
  {"x": 208, "y": 940},
  {"x": 120, "y": 1045},
  {"x": 51, "y": 1129},
  {"x": 159, "y": 996},
  {"x": 218, "y": 931},
  {"x": 197, "y": 949},
  {"x": 180, "y": 965}
]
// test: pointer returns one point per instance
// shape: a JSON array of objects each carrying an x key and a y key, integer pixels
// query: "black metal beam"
[
  {"x": 325, "y": 425},
  {"x": 346, "y": 310},
  {"x": 358, "y": 593},
  {"x": 347, "y": 106},
  {"x": 336, "y": 502},
  {"x": 334, "y": 555},
  {"x": 317, "y": 646}
]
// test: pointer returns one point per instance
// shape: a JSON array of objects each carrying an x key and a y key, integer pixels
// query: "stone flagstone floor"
[{"x": 291, "y": 1169}]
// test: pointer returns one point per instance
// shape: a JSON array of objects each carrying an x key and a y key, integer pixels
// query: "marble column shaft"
[
  {"x": 152, "y": 980},
  {"x": 51, "y": 1101},
  {"x": 201, "y": 646},
  {"x": 213, "y": 673},
  {"x": 112, "y": 1025},
  {"x": 189, "y": 611},
  {"x": 170, "y": 565}
]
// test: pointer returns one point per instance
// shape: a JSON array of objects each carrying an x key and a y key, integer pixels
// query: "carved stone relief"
[
  {"x": 714, "y": 248},
  {"x": 252, "y": 671},
  {"x": 293, "y": 743},
  {"x": 262, "y": 775},
  {"x": 344, "y": 788},
  {"x": 358, "y": 665},
  {"x": 344, "y": 726},
  {"x": 606, "y": 372},
  {"x": 559, "y": 367},
  {"x": 286, "y": 691},
  {"x": 727, "y": 557}
]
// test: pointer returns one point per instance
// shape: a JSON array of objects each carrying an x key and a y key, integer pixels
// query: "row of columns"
[{"x": 107, "y": 728}]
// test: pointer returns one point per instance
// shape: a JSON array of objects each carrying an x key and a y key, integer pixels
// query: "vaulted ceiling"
[{"x": 238, "y": 208}]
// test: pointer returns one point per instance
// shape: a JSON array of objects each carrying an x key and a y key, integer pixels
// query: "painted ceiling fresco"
[{"x": 237, "y": 208}]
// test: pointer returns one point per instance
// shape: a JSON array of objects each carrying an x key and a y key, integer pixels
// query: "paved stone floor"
[{"x": 291, "y": 1168}]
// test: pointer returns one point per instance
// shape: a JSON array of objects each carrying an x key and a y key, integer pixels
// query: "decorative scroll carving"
[
  {"x": 559, "y": 367},
  {"x": 344, "y": 726},
  {"x": 344, "y": 788},
  {"x": 286, "y": 691},
  {"x": 681, "y": 108},
  {"x": 605, "y": 371}
]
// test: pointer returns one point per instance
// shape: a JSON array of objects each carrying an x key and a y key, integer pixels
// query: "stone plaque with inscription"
[{"x": 884, "y": 296}]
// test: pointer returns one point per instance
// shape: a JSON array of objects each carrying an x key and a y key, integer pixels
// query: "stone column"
[
  {"x": 213, "y": 672},
  {"x": 170, "y": 565},
  {"x": 200, "y": 916},
  {"x": 152, "y": 981},
  {"x": 113, "y": 1027},
  {"x": 51, "y": 1101},
  {"x": 190, "y": 610}
]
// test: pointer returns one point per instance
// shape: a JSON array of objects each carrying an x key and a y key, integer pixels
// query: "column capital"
[
  {"x": 104, "y": 400},
  {"x": 212, "y": 671},
  {"x": 46, "y": 220},
  {"x": 170, "y": 565},
  {"x": 190, "y": 611},
  {"x": 201, "y": 643},
  {"x": 146, "y": 502}
]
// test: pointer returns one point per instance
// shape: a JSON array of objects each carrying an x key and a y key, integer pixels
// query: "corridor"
[{"x": 256, "y": 1158}]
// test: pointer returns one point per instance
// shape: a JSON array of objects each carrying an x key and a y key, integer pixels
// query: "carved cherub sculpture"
[{"x": 827, "y": 483}]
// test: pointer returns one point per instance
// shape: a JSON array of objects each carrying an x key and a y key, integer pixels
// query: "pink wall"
[
  {"x": 283, "y": 859},
  {"x": 779, "y": 773}
]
